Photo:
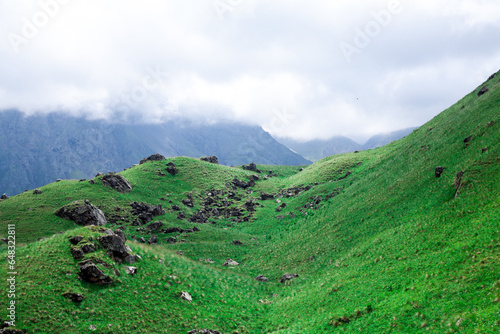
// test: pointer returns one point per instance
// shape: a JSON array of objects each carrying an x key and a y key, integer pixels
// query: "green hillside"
[{"x": 380, "y": 244}]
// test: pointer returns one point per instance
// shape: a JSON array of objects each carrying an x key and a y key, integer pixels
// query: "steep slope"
[
  {"x": 39, "y": 149},
  {"x": 378, "y": 241}
]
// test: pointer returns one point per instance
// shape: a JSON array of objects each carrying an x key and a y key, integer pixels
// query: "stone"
[
  {"x": 237, "y": 243},
  {"x": 482, "y": 91},
  {"x": 438, "y": 171},
  {"x": 154, "y": 157},
  {"x": 212, "y": 159},
  {"x": 89, "y": 272},
  {"x": 154, "y": 226},
  {"x": 230, "y": 262},
  {"x": 4, "y": 197},
  {"x": 265, "y": 196},
  {"x": 76, "y": 239},
  {"x": 120, "y": 233},
  {"x": 468, "y": 139},
  {"x": 117, "y": 182},
  {"x": 203, "y": 331},
  {"x": 153, "y": 240},
  {"x": 251, "y": 167},
  {"x": 172, "y": 170},
  {"x": 262, "y": 278},
  {"x": 146, "y": 212},
  {"x": 171, "y": 240},
  {"x": 75, "y": 297},
  {"x": 77, "y": 253},
  {"x": 83, "y": 213},
  {"x": 142, "y": 240},
  {"x": 37, "y": 192},
  {"x": 176, "y": 208},
  {"x": 131, "y": 270},
  {"x": 242, "y": 184},
  {"x": 188, "y": 202},
  {"x": 288, "y": 277},
  {"x": 492, "y": 76},
  {"x": 186, "y": 296}
]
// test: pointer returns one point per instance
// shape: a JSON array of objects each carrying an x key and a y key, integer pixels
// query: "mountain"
[
  {"x": 39, "y": 149},
  {"x": 403, "y": 238},
  {"x": 315, "y": 150}
]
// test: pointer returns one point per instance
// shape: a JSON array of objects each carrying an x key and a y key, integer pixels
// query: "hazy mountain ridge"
[
  {"x": 315, "y": 150},
  {"x": 39, "y": 149}
]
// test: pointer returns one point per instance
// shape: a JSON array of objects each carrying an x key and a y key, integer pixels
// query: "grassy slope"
[{"x": 395, "y": 250}]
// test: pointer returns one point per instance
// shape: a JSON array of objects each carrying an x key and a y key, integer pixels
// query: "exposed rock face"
[
  {"x": 288, "y": 277},
  {"x": 90, "y": 273},
  {"x": 83, "y": 213},
  {"x": 75, "y": 297},
  {"x": 212, "y": 159},
  {"x": 265, "y": 196},
  {"x": 251, "y": 167},
  {"x": 154, "y": 157},
  {"x": 146, "y": 212},
  {"x": 186, "y": 296},
  {"x": 116, "y": 248},
  {"x": 482, "y": 91},
  {"x": 131, "y": 270},
  {"x": 76, "y": 239},
  {"x": 230, "y": 262},
  {"x": 203, "y": 331},
  {"x": 438, "y": 171},
  {"x": 117, "y": 182},
  {"x": 154, "y": 226},
  {"x": 262, "y": 278}
]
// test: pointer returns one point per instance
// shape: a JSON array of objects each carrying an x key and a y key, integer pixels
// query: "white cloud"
[{"x": 277, "y": 64}]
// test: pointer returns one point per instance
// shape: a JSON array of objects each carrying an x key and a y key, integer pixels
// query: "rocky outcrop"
[
  {"x": 212, "y": 159},
  {"x": 262, "y": 278},
  {"x": 83, "y": 213},
  {"x": 117, "y": 182},
  {"x": 116, "y": 248},
  {"x": 89, "y": 272},
  {"x": 186, "y": 296},
  {"x": 251, "y": 167},
  {"x": 154, "y": 157},
  {"x": 145, "y": 213},
  {"x": 172, "y": 169}
]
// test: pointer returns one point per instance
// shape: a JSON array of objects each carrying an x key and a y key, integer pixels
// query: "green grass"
[{"x": 394, "y": 250}]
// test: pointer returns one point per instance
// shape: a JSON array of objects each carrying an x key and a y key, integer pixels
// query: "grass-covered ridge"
[{"x": 379, "y": 242}]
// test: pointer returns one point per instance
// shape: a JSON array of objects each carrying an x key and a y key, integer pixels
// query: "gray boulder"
[
  {"x": 212, "y": 159},
  {"x": 90, "y": 273},
  {"x": 154, "y": 157},
  {"x": 117, "y": 182},
  {"x": 83, "y": 213}
]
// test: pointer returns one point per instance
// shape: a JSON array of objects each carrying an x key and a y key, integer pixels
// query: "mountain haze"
[{"x": 39, "y": 149}]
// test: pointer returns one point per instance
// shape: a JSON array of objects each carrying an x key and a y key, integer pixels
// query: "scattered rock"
[
  {"x": 142, "y": 240},
  {"x": 4, "y": 197},
  {"x": 251, "y": 167},
  {"x": 203, "y": 331},
  {"x": 438, "y": 171},
  {"x": 468, "y": 139},
  {"x": 288, "y": 277},
  {"x": 131, "y": 270},
  {"x": 37, "y": 192},
  {"x": 171, "y": 169},
  {"x": 75, "y": 297},
  {"x": 171, "y": 240},
  {"x": 90, "y": 273},
  {"x": 120, "y": 233},
  {"x": 492, "y": 76},
  {"x": 117, "y": 182},
  {"x": 176, "y": 208},
  {"x": 242, "y": 184},
  {"x": 116, "y": 248},
  {"x": 188, "y": 202},
  {"x": 77, "y": 253},
  {"x": 212, "y": 159},
  {"x": 153, "y": 240},
  {"x": 76, "y": 239},
  {"x": 83, "y": 213},
  {"x": 484, "y": 149},
  {"x": 146, "y": 212},
  {"x": 262, "y": 278},
  {"x": 154, "y": 157},
  {"x": 237, "y": 243},
  {"x": 154, "y": 226},
  {"x": 265, "y": 196},
  {"x": 482, "y": 91},
  {"x": 186, "y": 296},
  {"x": 490, "y": 124},
  {"x": 458, "y": 182},
  {"x": 230, "y": 262}
]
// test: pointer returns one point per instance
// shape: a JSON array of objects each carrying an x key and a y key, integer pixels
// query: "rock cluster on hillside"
[{"x": 117, "y": 182}]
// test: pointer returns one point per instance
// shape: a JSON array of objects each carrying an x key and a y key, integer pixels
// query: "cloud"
[{"x": 277, "y": 64}]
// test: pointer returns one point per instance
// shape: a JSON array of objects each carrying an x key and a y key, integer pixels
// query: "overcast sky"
[{"x": 300, "y": 68}]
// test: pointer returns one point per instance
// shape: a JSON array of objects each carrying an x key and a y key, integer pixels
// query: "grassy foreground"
[{"x": 379, "y": 243}]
